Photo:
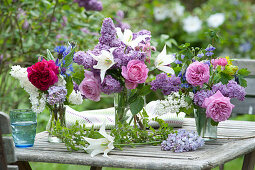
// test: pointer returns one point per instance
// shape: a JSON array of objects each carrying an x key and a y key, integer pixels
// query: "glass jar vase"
[
  {"x": 203, "y": 125},
  {"x": 57, "y": 115}
]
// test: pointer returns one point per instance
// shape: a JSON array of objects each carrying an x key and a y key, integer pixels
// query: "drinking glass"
[{"x": 23, "y": 123}]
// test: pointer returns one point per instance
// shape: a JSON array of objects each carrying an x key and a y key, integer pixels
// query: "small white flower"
[
  {"x": 102, "y": 145},
  {"x": 161, "y": 13},
  {"x": 216, "y": 20},
  {"x": 61, "y": 81},
  {"x": 163, "y": 60},
  {"x": 104, "y": 61},
  {"x": 176, "y": 12},
  {"x": 127, "y": 37},
  {"x": 75, "y": 98},
  {"x": 192, "y": 24}
]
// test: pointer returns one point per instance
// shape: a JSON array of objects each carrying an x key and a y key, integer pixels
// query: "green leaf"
[
  {"x": 213, "y": 123},
  {"x": 69, "y": 85},
  {"x": 244, "y": 72},
  {"x": 145, "y": 90},
  {"x": 242, "y": 81},
  {"x": 69, "y": 58},
  {"x": 137, "y": 105},
  {"x": 49, "y": 55},
  {"x": 224, "y": 78}
]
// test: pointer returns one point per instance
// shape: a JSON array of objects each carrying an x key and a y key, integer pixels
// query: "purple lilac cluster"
[
  {"x": 119, "y": 23},
  {"x": 209, "y": 51},
  {"x": 166, "y": 84},
  {"x": 231, "y": 90},
  {"x": 90, "y": 5},
  {"x": 182, "y": 141},
  {"x": 201, "y": 95},
  {"x": 110, "y": 85},
  {"x": 57, "y": 94}
]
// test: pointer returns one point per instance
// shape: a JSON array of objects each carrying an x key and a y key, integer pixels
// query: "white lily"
[
  {"x": 102, "y": 145},
  {"x": 127, "y": 37},
  {"x": 163, "y": 60},
  {"x": 104, "y": 61}
]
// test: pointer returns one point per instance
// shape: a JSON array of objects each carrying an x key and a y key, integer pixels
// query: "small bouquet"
[
  {"x": 49, "y": 82},
  {"x": 213, "y": 80}
]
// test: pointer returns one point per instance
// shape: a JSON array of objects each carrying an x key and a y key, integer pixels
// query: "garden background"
[{"x": 29, "y": 27}]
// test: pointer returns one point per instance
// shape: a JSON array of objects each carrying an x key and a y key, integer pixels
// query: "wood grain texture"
[
  {"x": 5, "y": 123},
  {"x": 12, "y": 167},
  {"x": 245, "y": 63},
  {"x": 9, "y": 149},
  {"x": 249, "y": 161},
  {"x": 213, "y": 154}
]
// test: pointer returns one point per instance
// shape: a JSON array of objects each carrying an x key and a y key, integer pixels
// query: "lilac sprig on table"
[{"x": 182, "y": 141}]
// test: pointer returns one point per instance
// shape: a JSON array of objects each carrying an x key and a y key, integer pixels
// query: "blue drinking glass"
[{"x": 23, "y": 123}]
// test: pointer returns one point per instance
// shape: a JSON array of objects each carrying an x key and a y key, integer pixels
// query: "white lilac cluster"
[
  {"x": 38, "y": 101},
  {"x": 172, "y": 104},
  {"x": 182, "y": 141},
  {"x": 75, "y": 98},
  {"x": 174, "y": 12}
]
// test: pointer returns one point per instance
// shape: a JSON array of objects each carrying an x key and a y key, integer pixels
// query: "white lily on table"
[
  {"x": 163, "y": 60},
  {"x": 104, "y": 61},
  {"x": 127, "y": 37},
  {"x": 101, "y": 145}
]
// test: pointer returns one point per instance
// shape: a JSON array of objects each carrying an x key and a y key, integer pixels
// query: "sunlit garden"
[{"x": 130, "y": 67}]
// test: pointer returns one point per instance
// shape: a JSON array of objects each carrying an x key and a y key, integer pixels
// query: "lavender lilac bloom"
[
  {"x": 182, "y": 141},
  {"x": 110, "y": 85},
  {"x": 166, "y": 84},
  {"x": 90, "y": 5},
  {"x": 57, "y": 94},
  {"x": 118, "y": 19},
  {"x": 200, "y": 96}
]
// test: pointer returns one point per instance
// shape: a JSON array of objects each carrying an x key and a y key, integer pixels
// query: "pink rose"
[
  {"x": 43, "y": 74},
  {"x": 220, "y": 61},
  {"x": 90, "y": 86},
  {"x": 135, "y": 72},
  {"x": 198, "y": 73},
  {"x": 218, "y": 107}
]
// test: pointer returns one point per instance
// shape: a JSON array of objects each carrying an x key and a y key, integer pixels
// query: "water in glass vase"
[{"x": 24, "y": 133}]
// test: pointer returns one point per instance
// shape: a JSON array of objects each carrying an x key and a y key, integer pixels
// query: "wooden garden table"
[{"x": 236, "y": 138}]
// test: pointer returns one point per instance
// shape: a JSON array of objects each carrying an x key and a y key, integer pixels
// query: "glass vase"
[
  {"x": 57, "y": 115},
  {"x": 203, "y": 125},
  {"x": 121, "y": 106}
]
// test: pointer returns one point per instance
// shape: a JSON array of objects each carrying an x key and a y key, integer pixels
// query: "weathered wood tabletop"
[{"x": 236, "y": 138}]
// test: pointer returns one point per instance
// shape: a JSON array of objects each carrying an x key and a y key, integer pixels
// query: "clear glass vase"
[
  {"x": 121, "y": 106},
  {"x": 57, "y": 115},
  {"x": 203, "y": 125}
]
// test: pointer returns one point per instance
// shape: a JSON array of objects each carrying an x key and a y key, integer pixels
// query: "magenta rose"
[
  {"x": 220, "y": 61},
  {"x": 43, "y": 74},
  {"x": 218, "y": 107},
  {"x": 198, "y": 73},
  {"x": 135, "y": 72},
  {"x": 90, "y": 86}
]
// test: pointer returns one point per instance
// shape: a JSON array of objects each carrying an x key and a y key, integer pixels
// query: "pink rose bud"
[
  {"x": 218, "y": 107},
  {"x": 197, "y": 74},
  {"x": 222, "y": 62},
  {"x": 90, "y": 87}
]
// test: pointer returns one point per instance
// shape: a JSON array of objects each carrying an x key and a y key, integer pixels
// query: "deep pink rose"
[
  {"x": 198, "y": 73},
  {"x": 90, "y": 86},
  {"x": 220, "y": 61},
  {"x": 43, "y": 74},
  {"x": 218, "y": 107},
  {"x": 135, "y": 72}
]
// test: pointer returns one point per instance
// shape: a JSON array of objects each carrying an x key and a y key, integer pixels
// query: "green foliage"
[{"x": 137, "y": 105}]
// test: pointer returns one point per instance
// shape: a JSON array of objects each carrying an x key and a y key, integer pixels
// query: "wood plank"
[
  {"x": 245, "y": 63},
  {"x": 249, "y": 161},
  {"x": 5, "y": 123},
  {"x": 12, "y": 167},
  {"x": 3, "y": 163},
  {"x": 244, "y": 107},
  {"x": 9, "y": 149}
]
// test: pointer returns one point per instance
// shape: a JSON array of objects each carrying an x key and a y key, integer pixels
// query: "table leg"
[
  {"x": 23, "y": 165},
  {"x": 95, "y": 168},
  {"x": 249, "y": 161},
  {"x": 221, "y": 167}
]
